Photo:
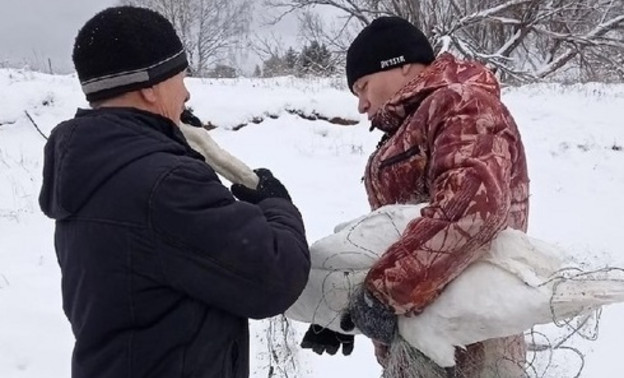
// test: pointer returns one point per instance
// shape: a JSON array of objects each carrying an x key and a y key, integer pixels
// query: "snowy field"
[{"x": 574, "y": 137}]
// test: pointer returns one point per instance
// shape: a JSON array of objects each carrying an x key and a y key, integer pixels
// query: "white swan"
[{"x": 520, "y": 282}]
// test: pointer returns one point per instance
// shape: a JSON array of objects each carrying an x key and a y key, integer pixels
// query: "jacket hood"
[
  {"x": 83, "y": 153},
  {"x": 445, "y": 71}
]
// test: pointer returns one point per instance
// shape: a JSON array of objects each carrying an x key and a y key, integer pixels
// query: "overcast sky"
[
  {"x": 31, "y": 31},
  {"x": 35, "y": 30}
]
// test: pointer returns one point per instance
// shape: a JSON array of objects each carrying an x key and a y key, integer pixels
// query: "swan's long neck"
[{"x": 224, "y": 163}]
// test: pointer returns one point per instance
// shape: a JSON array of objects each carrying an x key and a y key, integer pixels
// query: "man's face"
[
  {"x": 376, "y": 89},
  {"x": 171, "y": 95}
]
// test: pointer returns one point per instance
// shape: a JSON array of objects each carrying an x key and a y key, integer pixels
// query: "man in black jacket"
[{"x": 161, "y": 265}]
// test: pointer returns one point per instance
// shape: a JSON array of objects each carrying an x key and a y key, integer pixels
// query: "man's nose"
[{"x": 363, "y": 105}]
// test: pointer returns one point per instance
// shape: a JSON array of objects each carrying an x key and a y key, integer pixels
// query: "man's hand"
[
  {"x": 268, "y": 187},
  {"x": 370, "y": 316},
  {"x": 321, "y": 340}
]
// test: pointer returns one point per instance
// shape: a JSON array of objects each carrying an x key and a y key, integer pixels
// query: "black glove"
[
  {"x": 190, "y": 119},
  {"x": 321, "y": 340},
  {"x": 268, "y": 187},
  {"x": 370, "y": 316}
]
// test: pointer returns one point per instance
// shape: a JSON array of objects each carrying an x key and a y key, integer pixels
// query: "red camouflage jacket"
[{"x": 453, "y": 144}]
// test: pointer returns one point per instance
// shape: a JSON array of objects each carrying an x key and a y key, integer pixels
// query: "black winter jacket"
[{"x": 161, "y": 266}]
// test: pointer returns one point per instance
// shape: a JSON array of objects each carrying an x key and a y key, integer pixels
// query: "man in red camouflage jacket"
[{"x": 449, "y": 142}]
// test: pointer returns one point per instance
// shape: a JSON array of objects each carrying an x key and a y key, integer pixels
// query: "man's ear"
[
  {"x": 406, "y": 69},
  {"x": 149, "y": 95},
  {"x": 412, "y": 69}
]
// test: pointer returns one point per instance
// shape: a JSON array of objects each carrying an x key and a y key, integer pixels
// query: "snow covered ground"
[{"x": 574, "y": 137}]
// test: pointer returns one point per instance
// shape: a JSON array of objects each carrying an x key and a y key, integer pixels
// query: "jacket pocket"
[{"x": 415, "y": 150}]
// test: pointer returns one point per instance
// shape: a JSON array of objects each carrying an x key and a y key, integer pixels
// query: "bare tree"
[
  {"x": 522, "y": 40},
  {"x": 336, "y": 34},
  {"x": 270, "y": 51},
  {"x": 268, "y": 46},
  {"x": 209, "y": 29}
]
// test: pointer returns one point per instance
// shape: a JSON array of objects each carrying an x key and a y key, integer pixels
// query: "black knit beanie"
[
  {"x": 122, "y": 49},
  {"x": 386, "y": 43}
]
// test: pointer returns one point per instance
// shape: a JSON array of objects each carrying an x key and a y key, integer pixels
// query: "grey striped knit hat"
[{"x": 122, "y": 49}]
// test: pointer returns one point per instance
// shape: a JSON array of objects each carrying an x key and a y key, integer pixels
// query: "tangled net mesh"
[
  {"x": 280, "y": 356},
  {"x": 541, "y": 355},
  {"x": 544, "y": 353}
]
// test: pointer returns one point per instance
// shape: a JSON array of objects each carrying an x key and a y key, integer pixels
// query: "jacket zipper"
[{"x": 397, "y": 158}]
